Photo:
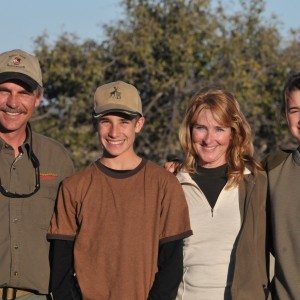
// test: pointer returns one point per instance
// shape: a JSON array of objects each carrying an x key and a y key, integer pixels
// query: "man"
[
  {"x": 125, "y": 215},
  {"x": 32, "y": 166},
  {"x": 283, "y": 168}
]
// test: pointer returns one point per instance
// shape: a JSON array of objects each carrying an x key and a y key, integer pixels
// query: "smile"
[
  {"x": 12, "y": 114},
  {"x": 116, "y": 142},
  {"x": 209, "y": 148}
]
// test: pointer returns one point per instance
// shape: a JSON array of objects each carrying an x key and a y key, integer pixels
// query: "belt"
[{"x": 8, "y": 293}]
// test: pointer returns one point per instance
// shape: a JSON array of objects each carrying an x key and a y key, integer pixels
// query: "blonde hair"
[{"x": 226, "y": 111}]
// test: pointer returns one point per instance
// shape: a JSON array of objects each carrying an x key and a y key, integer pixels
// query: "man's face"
[
  {"x": 17, "y": 104},
  {"x": 293, "y": 114},
  {"x": 117, "y": 134}
]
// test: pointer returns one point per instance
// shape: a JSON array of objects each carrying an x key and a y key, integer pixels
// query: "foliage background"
[{"x": 169, "y": 50}]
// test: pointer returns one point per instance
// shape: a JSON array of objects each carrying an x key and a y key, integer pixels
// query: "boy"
[
  {"x": 125, "y": 215},
  {"x": 283, "y": 169}
]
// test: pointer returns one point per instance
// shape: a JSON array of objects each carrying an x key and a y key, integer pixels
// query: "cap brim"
[
  {"x": 6, "y": 76},
  {"x": 120, "y": 111}
]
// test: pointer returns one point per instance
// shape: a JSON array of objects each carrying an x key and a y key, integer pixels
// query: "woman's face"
[{"x": 210, "y": 140}]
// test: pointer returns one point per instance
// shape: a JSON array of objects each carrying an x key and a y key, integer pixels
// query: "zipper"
[{"x": 196, "y": 186}]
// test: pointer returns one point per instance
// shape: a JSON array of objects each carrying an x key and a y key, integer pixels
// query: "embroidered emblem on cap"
[
  {"x": 16, "y": 60},
  {"x": 116, "y": 93}
]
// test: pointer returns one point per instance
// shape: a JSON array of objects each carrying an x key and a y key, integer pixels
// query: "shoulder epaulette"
[{"x": 275, "y": 159}]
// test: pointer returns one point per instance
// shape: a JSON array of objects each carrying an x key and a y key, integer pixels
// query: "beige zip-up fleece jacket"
[{"x": 250, "y": 279}]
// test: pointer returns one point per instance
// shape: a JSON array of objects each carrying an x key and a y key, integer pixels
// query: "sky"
[{"x": 23, "y": 21}]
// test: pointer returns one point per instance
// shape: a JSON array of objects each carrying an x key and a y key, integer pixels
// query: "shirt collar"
[
  {"x": 296, "y": 156},
  {"x": 2, "y": 144},
  {"x": 27, "y": 143},
  {"x": 28, "y": 140}
]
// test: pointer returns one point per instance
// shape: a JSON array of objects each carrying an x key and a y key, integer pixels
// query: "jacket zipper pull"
[{"x": 212, "y": 212}]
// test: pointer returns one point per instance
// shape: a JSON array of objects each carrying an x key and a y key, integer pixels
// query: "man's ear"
[
  {"x": 39, "y": 98},
  {"x": 139, "y": 124}
]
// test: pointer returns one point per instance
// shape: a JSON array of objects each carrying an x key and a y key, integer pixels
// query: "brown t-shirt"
[{"x": 118, "y": 221}]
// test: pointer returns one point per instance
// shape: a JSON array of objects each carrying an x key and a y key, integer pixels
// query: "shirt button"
[
  {"x": 15, "y": 220},
  {"x": 16, "y": 247},
  {"x": 16, "y": 273}
]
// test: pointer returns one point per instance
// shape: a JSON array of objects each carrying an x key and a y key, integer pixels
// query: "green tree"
[
  {"x": 168, "y": 50},
  {"x": 71, "y": 72}
]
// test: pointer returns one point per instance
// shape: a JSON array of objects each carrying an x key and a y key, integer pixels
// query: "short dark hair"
[{"x": 292, "y": 84}]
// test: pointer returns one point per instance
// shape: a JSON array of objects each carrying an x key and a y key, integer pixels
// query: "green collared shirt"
[{"x": 24, "y": 249}]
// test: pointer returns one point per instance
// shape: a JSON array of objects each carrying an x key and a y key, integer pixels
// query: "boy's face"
[
  {"x": 117, "y": 134},
  {"x": 293, "y": 114}
]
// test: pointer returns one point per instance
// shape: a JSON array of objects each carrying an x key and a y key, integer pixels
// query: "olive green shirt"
[
  {"x": 24, "y": 249},
  {"x": 283, "y": 168}
]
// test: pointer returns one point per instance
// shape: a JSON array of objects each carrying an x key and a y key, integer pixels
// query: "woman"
[{"x": 225, "y": 188}]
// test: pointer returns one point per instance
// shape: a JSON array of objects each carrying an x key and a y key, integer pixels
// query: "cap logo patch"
[
  {"x": 16, "y": 61},
  {"x": 116, "y": 93}
]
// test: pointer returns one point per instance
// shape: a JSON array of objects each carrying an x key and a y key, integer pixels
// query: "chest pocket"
[{"x": 38, "y": 209}]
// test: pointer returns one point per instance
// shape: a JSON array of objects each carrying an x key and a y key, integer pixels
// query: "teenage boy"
[
  {"x": 283, "y": 169},
  {"x": 125, "y": 215}
]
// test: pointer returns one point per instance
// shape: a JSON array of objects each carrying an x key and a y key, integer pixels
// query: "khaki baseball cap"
[
  {"x": 18, "y": 64},
  {"x": 117, "y": 97}
]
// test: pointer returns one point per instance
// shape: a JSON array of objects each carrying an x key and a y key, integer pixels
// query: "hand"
[{"x": 173, "y": 165}]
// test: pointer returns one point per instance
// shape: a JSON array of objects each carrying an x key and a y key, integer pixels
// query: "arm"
[
  {"x": 170, "y": 271},
  {"x": 63, "y": 285}
]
